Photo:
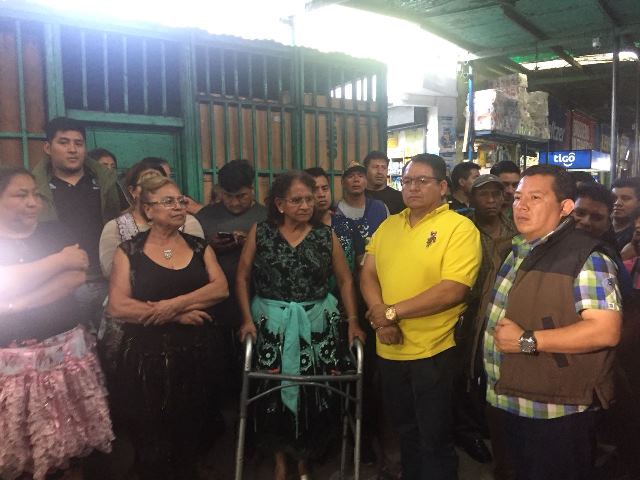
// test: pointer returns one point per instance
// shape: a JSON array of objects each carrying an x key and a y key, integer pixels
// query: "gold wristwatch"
[{"x": 391, "y": 314}]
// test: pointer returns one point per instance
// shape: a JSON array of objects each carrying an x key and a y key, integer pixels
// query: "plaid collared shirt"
[{"x": 595, "y": 287}]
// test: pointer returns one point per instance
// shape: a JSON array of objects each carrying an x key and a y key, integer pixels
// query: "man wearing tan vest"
[{"x": 553, "y": 320}]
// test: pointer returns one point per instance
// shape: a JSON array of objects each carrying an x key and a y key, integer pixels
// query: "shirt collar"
[
  {"x": 407, "y": 212},
  {"x": 524, "y": 247}
]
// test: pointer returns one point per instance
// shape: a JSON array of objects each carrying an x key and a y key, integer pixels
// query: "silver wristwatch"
[{"x": 528, "y": 343}]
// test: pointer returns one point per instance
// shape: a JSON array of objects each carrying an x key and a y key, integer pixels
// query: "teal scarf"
[{"x": 290, "y": 320}]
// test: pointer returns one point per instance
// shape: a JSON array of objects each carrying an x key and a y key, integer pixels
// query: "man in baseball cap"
[{"x": 367, "y": 213}]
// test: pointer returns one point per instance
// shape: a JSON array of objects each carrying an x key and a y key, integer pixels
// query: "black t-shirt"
[
  {"x": 457, "y": 206},
  {"x": 79, "y": 208},
  {"x": 216, "y": 218},
  {"x": 49, "y": 320},
  {"x": 391, "y": 197}
]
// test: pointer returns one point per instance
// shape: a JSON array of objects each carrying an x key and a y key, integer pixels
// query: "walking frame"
[{"x": 350, "y": 421}]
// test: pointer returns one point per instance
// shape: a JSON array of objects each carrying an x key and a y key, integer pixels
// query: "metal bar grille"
[
  {"x": 105, "y": 70},
  {"x": 21, "y": 93},
  {"x": 83, "y": 66}
]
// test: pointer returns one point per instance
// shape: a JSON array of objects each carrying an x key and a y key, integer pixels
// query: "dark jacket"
[
  {"x": 541, "y": 298},
  {"x": 106, "y": 179}
]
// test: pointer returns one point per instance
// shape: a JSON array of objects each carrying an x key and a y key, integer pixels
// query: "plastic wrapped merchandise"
[
  {"x": 513, "y": 80},
  {"x": 496, "y": 111},
  {"x": 514, "y": 85},
  {"x": 538, "y": 109}
]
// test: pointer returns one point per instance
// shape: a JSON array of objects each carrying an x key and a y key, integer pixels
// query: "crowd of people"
[{"x": 499, "y": 306}]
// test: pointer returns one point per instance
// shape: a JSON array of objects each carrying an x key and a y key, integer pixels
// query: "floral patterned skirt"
[
  {"x": 53, "y": 405},
  {"x": 306, "y": 433}
]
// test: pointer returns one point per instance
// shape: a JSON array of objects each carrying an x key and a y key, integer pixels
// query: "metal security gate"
[
  {"x": 199, "y": 100},
  {"x": 283, "y": 108},
  {"x": 22, "y": 92},
  {"x": 245, "y": 109},
  {"x": 344, "y": 111},
  {"x": 127, "y": 88}
]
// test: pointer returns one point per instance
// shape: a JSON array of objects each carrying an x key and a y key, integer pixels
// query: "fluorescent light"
[{"x": 597, "y": 58}]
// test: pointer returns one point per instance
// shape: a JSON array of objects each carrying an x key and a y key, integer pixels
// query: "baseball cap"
[
  {"x": 484, "y": 179},
  {"x": 354, "y": 167}
]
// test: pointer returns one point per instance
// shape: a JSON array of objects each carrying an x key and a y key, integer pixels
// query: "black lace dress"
[
  {"x": 165, "y": 377},
  {"x": 287, "y": 280}
]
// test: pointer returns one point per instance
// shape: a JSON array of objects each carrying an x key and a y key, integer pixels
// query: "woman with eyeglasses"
[
  {"x": 163, "y": 285},
  {"x": 129, "y": 224},
  {"x": 53, "y": 404},
  {"x": 132, "y": 221},
  {"x": 287, "y": 261}
]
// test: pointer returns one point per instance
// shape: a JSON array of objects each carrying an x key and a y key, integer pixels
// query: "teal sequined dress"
[{"x": 297, "y": 322}]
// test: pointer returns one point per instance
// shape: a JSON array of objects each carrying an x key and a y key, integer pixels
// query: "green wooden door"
[{"x": 130, "y": 145}]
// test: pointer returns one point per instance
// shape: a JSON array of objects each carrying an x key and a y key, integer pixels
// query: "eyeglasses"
[
  {"x": 297, "y": 201},
  {"x": 419, "y": 181},
  {"x": 170, "y": 202}
]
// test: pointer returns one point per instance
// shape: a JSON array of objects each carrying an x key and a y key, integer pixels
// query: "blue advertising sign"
[{"x": 569, "y": 159}]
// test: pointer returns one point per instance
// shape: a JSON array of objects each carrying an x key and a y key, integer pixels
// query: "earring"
[{"x": 281, "y": 211}]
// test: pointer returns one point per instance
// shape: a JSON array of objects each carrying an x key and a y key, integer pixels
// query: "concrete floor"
[{"x": 221, "y": 461}]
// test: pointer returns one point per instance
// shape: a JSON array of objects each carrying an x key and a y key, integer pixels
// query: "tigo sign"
[{"x": 570, "y": 159}]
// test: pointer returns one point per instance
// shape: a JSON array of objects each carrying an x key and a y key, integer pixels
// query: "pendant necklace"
[{"x": 168, "y": 253}]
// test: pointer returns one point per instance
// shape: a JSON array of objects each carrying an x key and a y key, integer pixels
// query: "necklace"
[{"x": 168, "y": 253}]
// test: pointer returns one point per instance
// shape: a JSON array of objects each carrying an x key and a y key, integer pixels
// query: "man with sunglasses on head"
[{"x": 418, "y": 271}]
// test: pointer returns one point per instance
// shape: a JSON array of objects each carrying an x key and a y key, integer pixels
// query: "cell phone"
[{"x": 228, "y": 235}]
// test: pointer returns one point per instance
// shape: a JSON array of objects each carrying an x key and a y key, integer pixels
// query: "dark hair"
[
  {"x": 155, "y": 162},
  {"x": 581, "y": 177},
  {"x": 632, "y": 182},
  {"x": 436, "y": 163},
  {"x": 597, "y": 193},
  {"x": 317, "y": 172},
  {"x": 279, "y": 188},
  {"x": 235, "y": 175},
  {"x": 462, "y": 171},
  {"x": 132, "y": 177},
  {"x": 63, "y": 124},
  {"x": 9, "y": 173},
  {"x": 97, "y": 153},
  {"x": 563, "y": 185},
  {"x": 504, "y": 166},
  {"x": 375, "y": 155}
]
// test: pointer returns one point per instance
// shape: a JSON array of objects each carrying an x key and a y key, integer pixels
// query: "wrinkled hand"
[
  {"x": 222, "y": 245},
  {"x": 247, "y": 328},
  {"x": 193, "y": 317},
  {"x": 162, "y": 312},
  {"x": 391, "y": 335},
  {"x": 355, "y": 331},
  {"x": 74, "y": 258},
  {"x": 376, "y": 318},
  {"x": 506, "y": 336}
]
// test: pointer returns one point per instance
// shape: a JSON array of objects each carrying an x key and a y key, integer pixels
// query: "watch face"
[
  {"x": 390, "y": 313},
  {"x": 528, "y": 343}
]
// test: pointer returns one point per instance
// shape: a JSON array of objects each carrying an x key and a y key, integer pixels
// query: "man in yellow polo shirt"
[{"x": 417, "y": 273}]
